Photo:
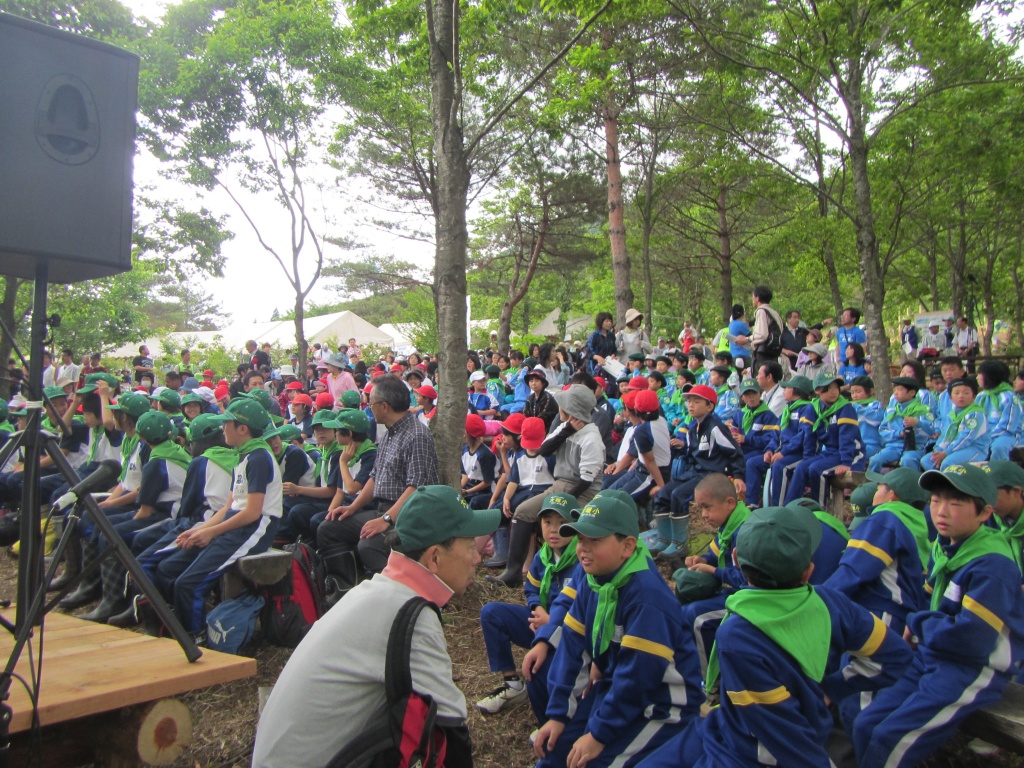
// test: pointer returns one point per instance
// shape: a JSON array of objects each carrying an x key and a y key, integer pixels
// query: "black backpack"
[
  {"x": 296, "y": 601},
  {"x": 408, "y": 738},
  {"x": 771, "y": 346}
]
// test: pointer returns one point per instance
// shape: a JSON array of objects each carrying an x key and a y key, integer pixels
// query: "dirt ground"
[{"x": 225, "y": 716}]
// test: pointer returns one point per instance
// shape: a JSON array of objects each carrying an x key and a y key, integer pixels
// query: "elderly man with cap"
[
  {"x": 933, "y": 341},
  {"x": 579, "y": 471},
  {"x": 324, "y": 699}
]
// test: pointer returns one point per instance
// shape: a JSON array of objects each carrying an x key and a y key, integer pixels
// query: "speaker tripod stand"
[{"x": 32, "y": 582}]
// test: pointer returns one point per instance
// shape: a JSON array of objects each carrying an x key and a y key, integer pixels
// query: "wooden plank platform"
[{"x": 90, "y": 668}]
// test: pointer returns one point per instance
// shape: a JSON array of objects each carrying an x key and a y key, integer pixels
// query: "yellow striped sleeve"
[
  {"x": 532, "y": 579},
  {"x": 848, "y": 421},
  {"x": 871, "y": 549},
  {"x": 770, "y": 428},
  {"x": 927, "y": 587},
  {"x": 983, "y": 613},
  {"x": 805, "y": 420},
  {"x": 571, "y": 622},
  {"x": 567, "y": 590},
  {"x": 648, "y": 646},
  {"x": 715, "y": 548},
  {"x": 745, "y": 698},
  {"x": 874, "y": 641}
]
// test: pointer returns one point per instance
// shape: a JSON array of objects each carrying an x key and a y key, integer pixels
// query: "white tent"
[
  {"x": 577, "y": 325},
  {"x": 337, "y": 326}
]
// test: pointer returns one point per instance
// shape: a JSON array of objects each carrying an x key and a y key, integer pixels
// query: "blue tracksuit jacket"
[
  {"x": 763, "y": 435},
  {"x": 709, "y": 447},
  {"x": 839, "y": 438},
  {"x": 870, "y": 418},
  {"x": 531, "y": 587}
]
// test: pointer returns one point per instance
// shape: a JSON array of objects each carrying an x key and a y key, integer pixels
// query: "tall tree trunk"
[
  {"x": 958, "y": 262},
  {"x": 300, "y": 331},
  {"x": 724, "y": 256},
  {"x": 867, "y": 247},
  {"x": 450, "y": 248},
  {"x": 7, "y": 310},
  {"x": 827, "y": 257},
  {"x": 616, "y": 212}
]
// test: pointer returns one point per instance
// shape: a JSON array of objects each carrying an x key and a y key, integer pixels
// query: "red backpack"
[
  {"x": 295, "y": 602},
  {"x": 408, "y": 738}
]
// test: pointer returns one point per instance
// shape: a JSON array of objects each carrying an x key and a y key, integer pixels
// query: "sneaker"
[{"x": 503, "y": 698}]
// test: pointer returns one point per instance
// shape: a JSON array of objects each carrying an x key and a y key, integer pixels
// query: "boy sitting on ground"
[
  {"x": 504, "y": 624},
  {"x": 967, "y": 645},
  {"x": 625, "y": 622},
  {"x": 479, "y": 465},
  {"x": 966, "y": 438}
]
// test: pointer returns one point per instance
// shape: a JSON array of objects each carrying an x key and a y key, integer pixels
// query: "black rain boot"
[
  {"x": 88, "y": 590},
  {"x": 519, "y": 538},
  {"x": 129, "y": 617},
  {"x": 72, "y": 565},
  {"x": 108, "y": 607}
]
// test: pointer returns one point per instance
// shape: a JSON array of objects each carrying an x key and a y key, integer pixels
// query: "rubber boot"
[
  {"x": 520, "y": 535},
  {"x": 72, "y": 565},
  {"x": 500, "y": 556},
  {"x": 664, "y": 535},
  {"x": 129, "y": 617},
  {"x": 109, "y": 606},
  {"x": 88, "y": 590},
  {"x": 49, "y": 538},
  {"x": 680, "y": 529}
]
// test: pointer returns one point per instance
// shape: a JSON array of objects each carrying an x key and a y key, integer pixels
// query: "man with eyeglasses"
[{"x": 406, "y": 459}]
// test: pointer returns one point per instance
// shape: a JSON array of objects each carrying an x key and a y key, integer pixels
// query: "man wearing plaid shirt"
[{"x": 406, "y": 459}]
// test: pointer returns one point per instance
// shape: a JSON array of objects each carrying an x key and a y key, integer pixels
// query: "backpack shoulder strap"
[{"x": 397, "y": 675}]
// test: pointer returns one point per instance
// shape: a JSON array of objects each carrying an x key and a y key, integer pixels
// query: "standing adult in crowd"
[
  {"x": 143, "y": 365},
  {"x": 633, "y": 338},
  {"x": 601, "y": 343},
  {"x": 908, "y": 340},
  {"x": 257, "y": 357},
  {"x": 965, "y": 342},
  {"x": 848, "y": 331},
  {"x": 759, "y": 337},
  {"x": 406, "y": 459},
  {"x": 794, "y": 339}
]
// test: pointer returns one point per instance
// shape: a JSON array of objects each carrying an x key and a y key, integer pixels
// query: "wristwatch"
[{"x": 387, "y": 519}]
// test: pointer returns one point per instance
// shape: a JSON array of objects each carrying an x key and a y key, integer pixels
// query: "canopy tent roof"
[
  {"x": 337, "y": 326},
  {"x": 577, "y": 325}
]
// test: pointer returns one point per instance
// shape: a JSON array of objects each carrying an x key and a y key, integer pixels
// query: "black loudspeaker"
[{"x": 67, "y": 137}]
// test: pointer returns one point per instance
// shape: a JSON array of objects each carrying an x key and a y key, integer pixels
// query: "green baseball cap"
[
  {"x": 564, "y": 504},
  {"x": 52, "y": 392},
  {"x": 325, "y": 417},
  {"x": 435, "y": 513},
  {"x": 155, "y": 427},
  {"x": 692, "y": 586},
  {"x": 167, "y": 396},
  {"x": 203, "y": 426},
  {"x": 606, "y": 514},
  {"x": 261, "y": 396},
  {"x": 132, "y": 403},
  {"x": 246, "y": 411},
  {"x": 903, "y": 482},
  {"x": 93, "y": 379},
  {"x": 1006, "y": 474},
  {"x": 778, "y": 541},
  {"x": 824, "y": 380},
  {"x": 906, "y": 381},
  {"x": 750, "y": 385},
  {"x": 966, "y": 478},
  {"x": 350, "y": 398},
  {"x": 287, "y": 433},
  {"x": 801, "y": 384},
  {"x": 192, "y": 397},
  {"x": 356, "y": 421},
  {"x": 862, "y": 497}
]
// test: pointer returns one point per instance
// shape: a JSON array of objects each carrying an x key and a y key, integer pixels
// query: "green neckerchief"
[
  {"x": 913, "y": 518},
  {"x": 172, "y": 452},
  {"x": 984, "y": 541},
  {"x": 128, "y": 446},
  {"x": 608, "y": 598},
  {"x": 911, "y": 409},
  {"x": 722, "y": 390},
  {"x": 955, "y": 418},
  {"x": 699, "y": 372},
  {"x": 324, "y": 461},
  {"x": 253, "y": 444},
  {"x": 94, "y": 444},
  {"x": 824, "y": 416},
  {"x": 741, "y": 513},
  {"x": 787, "y": 412},
  {"x": 366, "y": 445},
  {"x": 552, "y": 566},
  {"x": 750, "y": 415},
  {"x": 796, "y": 620},
  {"x": 832, "y": 522},
  {"x": 6, "y": 426},
  {"x": 864, "y": 401},
  {"x": 993, "y": 394},
  {"x": 225, "y": 458},
  {"x": 1014, "y": 535}
]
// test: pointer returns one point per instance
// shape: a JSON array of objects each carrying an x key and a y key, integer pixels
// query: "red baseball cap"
[
  {"x": 294, "y": 385},
  {"x": 639, "y": 382},
  {"x": 427, "y": 391},
  {"x": 475, "y": 426},
  {"x": 514, "y": 423},
  {"x": 303, "y": 399},
  {"x": 533, "y": 433},
  {"x": 646, "y": 401},
  {"x": 221, "y": 392},
  {"x": 208, "y": 374},
  {"x": 704, "y": 392},
  {"x": 324, "y": 400},
  {"x": 601, "y": 382},
  {"x": 629, "y": 398}
]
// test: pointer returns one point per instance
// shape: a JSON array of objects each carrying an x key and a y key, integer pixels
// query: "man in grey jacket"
[{"x": 579, "y": 471}]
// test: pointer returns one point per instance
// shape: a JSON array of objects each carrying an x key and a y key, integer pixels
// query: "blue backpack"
[{"x": 232, "y": 624}]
